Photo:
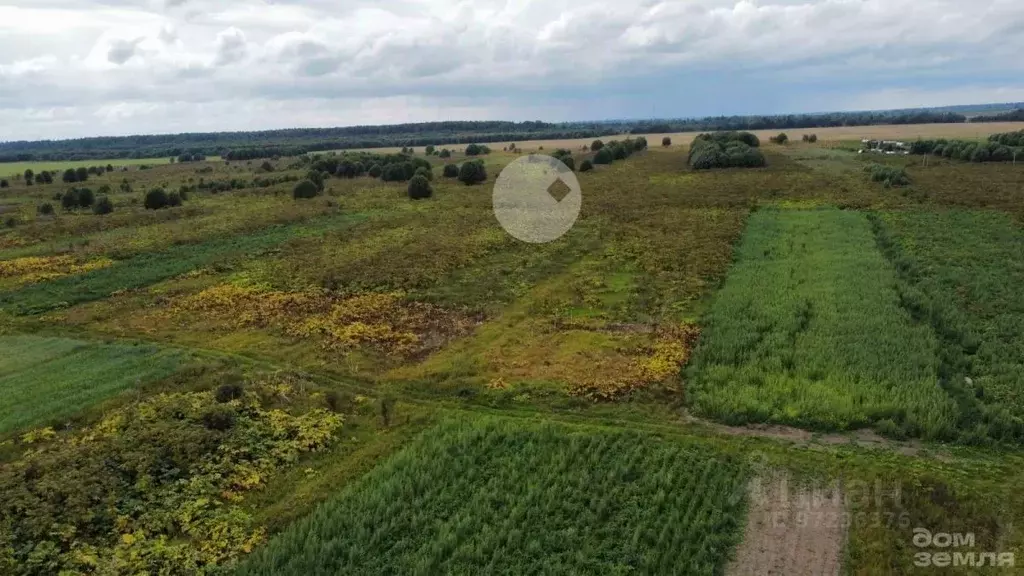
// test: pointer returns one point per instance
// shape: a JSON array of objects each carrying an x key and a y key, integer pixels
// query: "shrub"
[
  {"x": 69, "y": 176},
  {"x": 888, "y": 175},
  {"x": 569, "y": 162},
  {"x": 640, "y": 144},
  {"x": 399, "y": 172},
  {"x": 227, "y": 392},
  {"x": 46, "y": 208},
  {"x": 69, "y": 201},
  {"x": 604, "y": 156},
  {"x": 429, "y": 150},
  {"x": 450, "y": 171},
  {"x": 666, "y": 141},
  {"x": 474, "y": 150},
  {"x": 812, "y": 138},
  {"x": 596, "y": 145},
  {"x": 82, "y": 173},
  {"x": 586, "y": 166},
  {"x": 174, "y": 199},
  {"x": 103, "y": 206},
  {"x": 725, "y": 150},
  {"x": 305, "y": 189},
  {"x": 219, "y": 418},
  {"x": 29, "y": 174},
  {"x": 618, "y": 152},
  {"x": 472, "y": 172},
  {"x": 155, "y": 199},
  {"x": 425, "y": 172},
  {"x": 446, "y": 153},
  {"x": 374, "y": 171},
  {"x": 419, "y": 187},
  {"x": 86, "y": 198},
  {"x": 780, "y": 139},
  {"x": 317, "y": 178},
  {"x": 4, "y": 184},
  {"x": 10, "y": 221},
  {"x": 346, "y": 169},
  {"x": 267, "y": 166}
]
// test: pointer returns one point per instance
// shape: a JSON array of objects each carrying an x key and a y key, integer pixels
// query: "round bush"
[
  {"x": 451, "y": 171},
  {"x": 472, "y": 172},
  {"x": 174, "y": 199},
  {"x": 305, "y": 189},
  {"x": 604, "y": 156},
  {"x": 86, "y": 198},
  {"x": 586, "y": 166},
  {"x": 474, "y": 150},
  {"x": 596, "y": 145},
  {"x": 46, "y": 208},
  {"x": 425, "y": 172},
  {"x": 666, "y": 141},
  {"x": 419, "y": 187},
  {"x": 69, "y": 201},
  {"x": 374, "y": 171},
  {"x": 103, "y": 206},
  {"x": 155, "y": 199}
]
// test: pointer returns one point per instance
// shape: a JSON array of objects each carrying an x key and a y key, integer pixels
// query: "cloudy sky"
[{"x": 72, "y": 68}]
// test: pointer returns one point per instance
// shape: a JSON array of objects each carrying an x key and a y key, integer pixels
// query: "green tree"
[
  {"x": 70, "y": 176},
  {"x": 450, "y": 171},
  {"x": 103, "y": 206},
  {"x": 69, "y": 201},
  {"x": 374, "y": 171},
  {"x": 474, "y": 150},
  {"x": 155, "y": 199},
  {"x": 29, "y": 174},
  {"x": 85, "y": 198},
  {"x": 445, "y": 153},
  {"x": 472, "y": 172},
  {"x": 425, "y": 172},
  {"x": 586, "y": 166},
  {"x": 604, "y": 156},
  {"x": 4, "y": 184},
  {"x": 596, "y": 145},
  {"x": 429, "y": 150},
  {"x": 305, "y": 189},
  {"x": 82, "y": 173},
  {"x": 666, "y": 141},
  {"x": 419, "y": 187},
  {"x": 46, "y": 208}
]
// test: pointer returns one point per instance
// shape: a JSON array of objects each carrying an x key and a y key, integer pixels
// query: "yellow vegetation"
[{"x": 32, "y": 269}]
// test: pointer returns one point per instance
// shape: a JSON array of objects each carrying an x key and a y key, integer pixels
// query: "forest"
[{"x": 295, "y": 142}]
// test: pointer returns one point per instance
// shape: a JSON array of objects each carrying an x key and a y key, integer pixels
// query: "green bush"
[
  {"x": 173, "y": 199},
  {"x": 103, "y": 206},
  {"x": 267, "y": 166},
  {"x": 374, "y": 171},
  {"x": 425, "y": 172},
  {"x": 666, "y": 141},
  {"x": 46, "y": 208},
  {"x": 618, "y": 151},
  {"x": 604, "y": 156},
  {"x": 596, "y": 145},
  {"x": 305, "y": 189},
  {"x": 4, "y": 183},
  {"x": 780, "y": 139},
  {"x": 450, "y": 171},
  {"x": 85, "y": 198},
  {"x": 725, "y": 150},
  {"x": 155, "y": 199},
  {"x": 446, "y": 153},
  {"x": 474, "y": 150},
  {"x": 398, "y": 172},
  {"x": 472, "y": 172},
  {"x": 640, "y": 144},
  {"x": 419, "y": 187},
  {"x": 69, "y": 201},
  {"x": 586, "y": 166},
  {"x": 888, "y": 175}
]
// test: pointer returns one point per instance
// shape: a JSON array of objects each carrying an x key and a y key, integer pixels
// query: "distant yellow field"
[{"x": 907, "y": 132}]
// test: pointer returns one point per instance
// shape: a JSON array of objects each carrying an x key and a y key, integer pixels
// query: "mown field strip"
[
  {"x": 147, "y": 269},
  {"x": 48, "y": 378},
  {"x": 492, "y": 496},
  {"x": 808, "y": 331}
]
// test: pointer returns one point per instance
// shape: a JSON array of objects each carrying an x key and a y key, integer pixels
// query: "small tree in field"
[
  {"x": 46, "y": 208},
  {"x": 586, "y": 166},
  {"x": 29, "y": 174},
  {"x": 604, "y": 156},
  {"x": 305, "y": 189},
  {"x": 596, "y": 145},
  {"x": 156, "y": 199},
  {"x": 70, "y": 176},
  {"x": 425, "y": 172},
  {"x": 4, "y": 184},
  {"x": 780, "y": 139},
  {"x": 451, "y": 171},
  {"x": 85, "y": 198},
  {"x": 446, "y": 153},
  {"x": 666, "y": 141},
  {"x": 419, "y": 187},
  {"x": 103, "y": 206},
  {"x": 812, "y": 138},
  {"x": 374, "y": 171},
  {"x": 472, "y": 172},
  {"x": 69, "y": 201},
  {"x": 474, "y": 150},
  {"x": 82, "y": 173}
]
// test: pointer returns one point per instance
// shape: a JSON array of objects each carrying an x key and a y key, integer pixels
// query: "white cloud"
[{"x": 177, "y": 55}]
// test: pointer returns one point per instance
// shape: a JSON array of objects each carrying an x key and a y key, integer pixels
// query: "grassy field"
[
  {"x": 501, "y": 498},
  {"x": 8, "y": 169},
  {"x": 43, "y": 379},
  {"x": 586, "y": 389}
]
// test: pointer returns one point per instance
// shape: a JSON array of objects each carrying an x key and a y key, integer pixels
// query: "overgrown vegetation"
[
  {"x": 725, "y": 150},
  {"x": 503, "y": 497},
  {"x": 889, "y": 176}
]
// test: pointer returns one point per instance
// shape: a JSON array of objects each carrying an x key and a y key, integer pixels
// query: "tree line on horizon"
[{"x": 298, "y": 141}]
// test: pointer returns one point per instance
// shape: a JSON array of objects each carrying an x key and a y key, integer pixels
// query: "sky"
[{"x": 79, "y": 68}]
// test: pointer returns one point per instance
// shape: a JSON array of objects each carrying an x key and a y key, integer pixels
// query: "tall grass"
[
  {"x": 501, "y": 497},
  {"x": 961, "y": 273},
  {"x": 43, "y": 379},
  {"x": 808, "y": 331}
]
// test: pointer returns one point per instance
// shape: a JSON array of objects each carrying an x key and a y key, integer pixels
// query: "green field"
[
  {"x": 498, "y": 497},
  {"x": 43, "y": 379},
  {"x": 362, "y": 383},
  {"x": 808, "y": 331}
]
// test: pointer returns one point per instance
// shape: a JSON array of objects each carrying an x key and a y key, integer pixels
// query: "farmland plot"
[
  {"x": 499, "y": 497},
  {"x": 45, "y": 378},
  {"x": 808, "y": 331}
]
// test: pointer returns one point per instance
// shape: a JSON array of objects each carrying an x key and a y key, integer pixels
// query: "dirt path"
[{"x": 791, "y": 531}]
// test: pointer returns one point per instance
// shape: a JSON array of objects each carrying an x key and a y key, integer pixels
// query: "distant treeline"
[
  {"x": 1011, "y": 116},
  {"x": 294, "y": 142}
]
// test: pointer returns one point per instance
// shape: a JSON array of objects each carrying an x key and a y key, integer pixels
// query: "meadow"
[{"x": 402, "y": 384}]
